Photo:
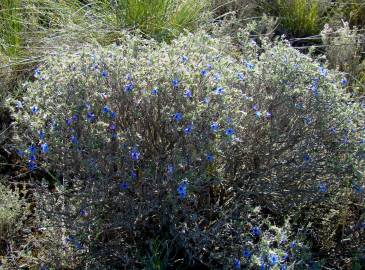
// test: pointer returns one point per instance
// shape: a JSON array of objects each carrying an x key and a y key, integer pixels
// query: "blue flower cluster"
[
  {"x": 33, "y": 151},
  {"x": 182, "y": 190}
]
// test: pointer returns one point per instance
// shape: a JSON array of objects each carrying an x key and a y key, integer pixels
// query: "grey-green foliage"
[
  {"x": 11, "y": 211},
  {"x": 287, "y": 134},
  {"x": 343, "y": 51}
]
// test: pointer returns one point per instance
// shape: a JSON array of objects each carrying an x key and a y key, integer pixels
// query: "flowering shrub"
[
  {"x": 267, "y": 246},
  {"x": 178, "y": 141}
]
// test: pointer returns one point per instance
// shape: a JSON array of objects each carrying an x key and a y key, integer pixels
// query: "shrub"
[
  {"x": 343, "y": 51},
  {"x": 179, "y": 142},
  {"x": 10, "y": 210},
  {"x": 12, "y": 216}
]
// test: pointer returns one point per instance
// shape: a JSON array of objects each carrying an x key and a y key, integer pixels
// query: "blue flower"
[
  {"x": 283, "y": 267},
  {"x": 32, "y": 158},
  {"x": 255, "y": 107},
  {"x": 237, "y": 264},
  {"x": 37, "y": 72},
  {"x": 308, "y": 120},
  {"x": 206, "y": 100},
  {"x": 177, "y": 117},
  {"x": 262, "y": 264},
  {"x": 285, "y": 256},
  {"x": 209, "y": 66},
  {"x": 219, "y": 91},
  {"x": 214, "y": 126},
  {"x": 41, "y": 134},
  {"x": 74, "y": 139},
  {"x": 32, "y": 166},
  {"x": 134, "y": 175},
  {"x": 332, "y": 130},
  {"x": 123, "y": 185},
  {"x": 83, "y": 213},
  {"x": 268, "y": 114},
  {"x": 78, "y": 245},
  {"x": 18, "y": 104},
  {"x": 32, "y": 149},
  {"x": 90, "y": 116},
  {"x": 315, "y": 87},
  {"x": 105, "y": 109},
  {"x": 188, "y": 94},
  {"x": 154, "y": 92},
  {"x": 357, "y": 188},
  {"x": 104, "y": 74},
  {"x": 68, "y": 122},
  {"x": 181, "y": 190},
  {"x": 135, "y": 155},
  {"x": 322, "y": 71},
  {"x": 246, "y": 254},
  {"x": 44, "y": 148},
  {"x": 74, "y": 117},
  {"x": 255, "y": 231},
  {"x": 128, "y": 87},
  {"x": 322, "y": 187},
  {"x": 229, "y": 131},
  {"x": 283, "y": 240},
  {"x": 273, "y": 259},
  {"x": 183, "y": 59},
  {"x": 70, "y": 239},
  {"x": 240, "y": 76},
  {"x": 250, "y": 66},
  {"x": 175, "y": 82},
  {"x": 112, "y": 126},
  {"x": 344, "y": 82},
  {"x": 34, "y": 109},
  {"x": 307, "y": 158},
  {"x": 187, "y": 129},
  {"x": 203, "y": 73},
  {"x": 258, "y": 114},
  {"x": 293, "y": 244},
  {"x": 216, "y": 77},
  {"x": 20, "y": 153},
  {"x": 112, "y": 115},
  {"x": 210, "y": 157}
]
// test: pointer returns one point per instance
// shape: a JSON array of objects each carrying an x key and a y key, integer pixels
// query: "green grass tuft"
[
  {"x": 10, "y": 27},
  {"x": 299, "y": 17}
]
